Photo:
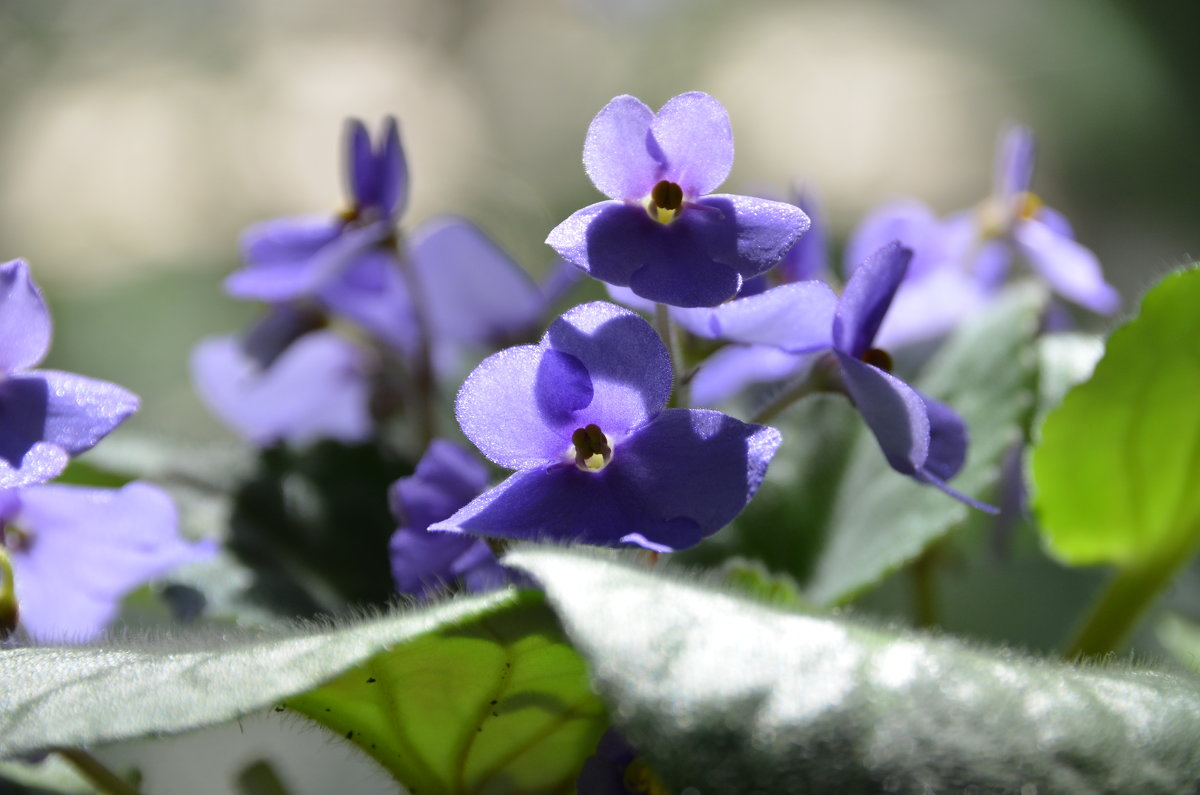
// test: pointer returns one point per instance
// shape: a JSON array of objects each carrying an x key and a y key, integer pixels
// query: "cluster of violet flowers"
[
  {"x": 68, "y": 554},
  {"x": 611, "y": 442}
]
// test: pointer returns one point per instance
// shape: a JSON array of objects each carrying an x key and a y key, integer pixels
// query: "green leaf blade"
[{"x": 1116, "y": 465}]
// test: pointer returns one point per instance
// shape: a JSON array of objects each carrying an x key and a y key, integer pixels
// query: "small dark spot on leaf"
[
  {"x": 327, "y": 709},
  {"x": 495, "y": 714},
  {"x": 372, "y": 746},
  {"x": 493, "y": 702},
  {"x": 350, "y": 734},
  {"x": 370, "y": 680},
  {"x": 479, "y": 729},
  {"x": 279, "y": 708},
  {"x": 508, "y": 665}
]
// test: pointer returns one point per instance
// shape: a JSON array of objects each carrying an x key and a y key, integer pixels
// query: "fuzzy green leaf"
[{"x": 727, "y": 695}]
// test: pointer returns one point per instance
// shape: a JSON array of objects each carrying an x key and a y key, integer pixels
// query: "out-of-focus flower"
[
  {"x": 46, "y": 416},
  {"x": 581, "y": 415},
  {"x": 661, "y": 234},
  {"x": 616, "y": 769},
  {"x": 347, "y": 263},
  {"x": 960, "y": 263},
  {"x": 318, "y": 387},
  {"x": 446, "y": 478},
  {"x": 75, "y": 552}
]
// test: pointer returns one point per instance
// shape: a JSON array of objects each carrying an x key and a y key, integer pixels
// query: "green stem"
[
  {"x": 922, "y": 571},
  {"x": 794, "y": 391},
  {"x": 1122, "y": 603},
  {"x": 424, "y": 383},
  {"x": 94, "y": 771},
  {"x": 670, "y": 337},
  {"x": 9, "y": 614}
]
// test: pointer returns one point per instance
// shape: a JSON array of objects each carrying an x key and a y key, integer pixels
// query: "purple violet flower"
[
  {"x": 581, "y": 415},
  {"x": 446, "y": 478},
  {"x": 75, "y": 552},
  {"x": 46, "y": 416},
  {"x": 960, "y": 263},
  {"x": 317, "y": 387},
  {"x": 346, "y": 263},
  {"x": 920, "y": 437},
  {"x": 661, "y": 234}
]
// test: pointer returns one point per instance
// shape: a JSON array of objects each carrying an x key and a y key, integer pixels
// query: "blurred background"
[{"x": 140, "y": 136}]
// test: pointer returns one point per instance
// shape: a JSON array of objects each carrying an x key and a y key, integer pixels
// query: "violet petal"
[
  {"x": 615, "y": 152},
  {"x": 24, "y": 320},
  {"x": 696, "y": 140},
  {"x": 1071, "y": 269},
  {"x": 866, "y": 298}
]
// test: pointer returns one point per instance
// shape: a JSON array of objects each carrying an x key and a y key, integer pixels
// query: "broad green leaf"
[
  {"x": 727, "y": 695},
  {"x": 426, "y": 717},
  {"x": 1064, "y": 361},
  {"x": 499, "y": 705},
  {"x": 881, "y": 519},
  {"x": 1116, "y": 468}
]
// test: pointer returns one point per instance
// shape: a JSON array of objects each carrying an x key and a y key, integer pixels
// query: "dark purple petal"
[
  {"x": 603, "y": 772},
  {"x": 88, "y": 548},
  {"x": 571, "y": 240},
  {"x": 563, "y": 503},
  {"x": 393, "y": 191},
  {"x": 372, "y": 293},
  {"x": 809, "y": 258},
  {"x": 364, "y": 176},
  {"x": 749, "y": 234},
  {"x": 1071, "y": 269},
  {"x": 562, "y": 387},
  {"x": 424, "y": 562},
  {"x": 694, "y": 135},
  {"x": 685, "y": 277},
  {"x": 916, "y": 227},
  {"x": 446, "y": 478},
  {"x": 1014, "y": 163},
  {"x": 282, "y": 325},
  {"x": 626, "y": 361},
  {"x": 474, "y": 293},
  {"x": 498, "y": 410},
  {"x": 681, "y": 477},
  {"x": 24, "y": 320},
  {"x": 735, "y": 367},
  {"x": 919, "y": 437},
  {"x": 867, "y": 297},
  {"x": 947, "y": 439},
  {"x": 317, "y": 388},
  {"x": 615, "y": 152},
  {"x": 894, "y": 412},
  {"x": 796, "y": 317},
  {"x": 38, "y": 463}
]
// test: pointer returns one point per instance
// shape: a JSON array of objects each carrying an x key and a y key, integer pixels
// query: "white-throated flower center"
[
  {"x": 592, "y": 448},
  {"x": 664, "y": 202},
  {"x": 996, "y": 218}
]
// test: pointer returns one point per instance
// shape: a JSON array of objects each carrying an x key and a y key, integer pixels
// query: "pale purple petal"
[
  {"x": 1014, "y": 162},
  {"x": 1057, "y": 222},
  {"x": 796, "y": 317},
  {"x": 931, "y": 306},
  {"x": 24, "y": 320},
  {"x": 422, "y": 562},
  {"x": 317, "y": 388},
  {"x": 474, "y": 292},
  {"x": 88, "y": 548},
  {"x": 695, "y": 138},
  {"x": 38, "y": 463},
  {"x": 615, "y": 152},
  {"x": 1070, "y": 269},
  {"x": 866, "y": 298},
  {"x": 628, "y": 365},
  {"x": 278, "y": 254},
  {"x": 285, "y": 279},
  {"x": 81, "y": 411},
  {"x": 916, "y": 227},
  {"x": 498, "y": 410},
  {"x": 735, "y": 367},
  {"x": 627, "y": 297}
]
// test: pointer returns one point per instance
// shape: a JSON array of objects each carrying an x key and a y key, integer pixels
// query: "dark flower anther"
[
  {"x": 878, "y": 357},
  {"x": 666, "y": 199},
  {"x": 592, "y": 450}
]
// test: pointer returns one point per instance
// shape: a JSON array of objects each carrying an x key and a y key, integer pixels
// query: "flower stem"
[
  {"x": 422, "y": 365},
  {"x": 671, "y": 338},
  {"x": 922, "y": 571},
  {"x": 8, "y": 594},
  {"x": 94, "y": 771},
  {"x": 1122, "y": 603}
]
